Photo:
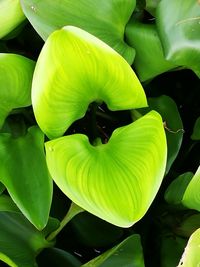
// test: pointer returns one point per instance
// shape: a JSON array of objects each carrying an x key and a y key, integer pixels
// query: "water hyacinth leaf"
[
  {"x": 127, "y": 253},
  {"x": 191, "y": 197},
  {"x": 11, "y": 16},
  {"x": 179, "y": 32},
  {"x": 15, "y": 81},
  {"x": 144, "y": 38},
  {"x": 167, "y": 108},
  {"x": 191, "y": 255},
  {"x": 24, "y": 173},
  {"x": 105, "y": 19},
  {"x": 196, "y": 130},
  {"x": 20, "y": 241},
  {"x": 151, "y": 6},
  {"x": 80, "y": 69},
  {"x": 116, "y": 181},
  {"x": 175, "y": 191}
]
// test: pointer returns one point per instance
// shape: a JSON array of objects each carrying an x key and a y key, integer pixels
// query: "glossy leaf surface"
[
  {"x": 191, "y": 197},
  {"x": 80, "y": 69},
  {"x": 179, "y": 32},
  {"x": 11, "y": 16},
  {"x": 24, "y": 173},
  {"x": 149, "y": 60},
  {"x": 20, "y": 241},
  {"x": 127, "y": 253},
  {"x": 191, "y": 255},
  {"x": 106, "y": 19},
  {"x": 15, "y": 81},
  {"x": 116, "y": 181}
]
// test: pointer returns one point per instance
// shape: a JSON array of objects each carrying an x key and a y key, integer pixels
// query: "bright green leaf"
[
  {"x": 149, "y": 60},
  {"x": 128, "y": 253},
  {"x": 106, "y": 19},
  {"x": 175, "y": 191},
  {"x": 191, "y": 197},
  {"x": 196, "y": 130},
  {"x": 191, "y": 255},
  {"x": 20, "y": 241},
  {"x": 15, "y": 81},
  {"x": 24, "y": 173},
  {"x": 116, "y": 181},
  {"x": 80, "y": 69},
  {"x": 178, "y": 23},
  {"x": 11, "y": 16}
]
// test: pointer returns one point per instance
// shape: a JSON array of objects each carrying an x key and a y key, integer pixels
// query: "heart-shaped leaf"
[
  {"x": 116, "y": 181},
  {"x": 20, "y": 241},
  {"x": 144, "y": 38},
  {"x": 80, "y": 69},
  {"x": 191, "y": 255},
  {"x": 24, "y": 173},
  {"x": 191, "y": 197},
  {"x": 15, "y": 81},
  {"x": 128, "y": 253},
  {"x": 179, "y": 32},
  {"x": 106, "y": 19},
  {"x": 11, "y": 16}
]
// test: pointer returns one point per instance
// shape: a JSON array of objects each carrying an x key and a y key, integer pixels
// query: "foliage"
[{"x": 99, "y": 133}]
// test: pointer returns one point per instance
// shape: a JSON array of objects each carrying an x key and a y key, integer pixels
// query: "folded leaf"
[
  {"x": 24, "y": 173},
  {"x": 144, "y": 38},
  {"x": 15, "y": 81},
  {"x": 191, "y": 255},
  {"x": 116, "y": 181},
  {"x": 80, "y": 69},
  {"x": 127, "y": 253},
  {"x": 179, "y": 32},
  {"x": 11, "y": 16},
  {"x": 106, "y": 19}
]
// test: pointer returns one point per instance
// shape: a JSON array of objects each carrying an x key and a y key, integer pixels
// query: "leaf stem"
[{"x": 72, "y": 212}]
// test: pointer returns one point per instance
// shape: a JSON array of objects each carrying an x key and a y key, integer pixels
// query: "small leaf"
[
  {"x": 191, "y": 255},
  {"x": 196, "y": 130},
  {"x": 15, "y": 81},
  {"x": 80, "y": 69},
  {"x": 179, "y": 32},
  {"x": 19, "y": 240},
  {"x": 175, "y": 191},
  {"x": 191, "y": 197},
  {"x": 11, "y": 16},
  {"x": 24, "y": 173},
  {"x": 105, "y": 19},
  {"x": 144, "y": 38},
  {"x": 127, "y": 253},
  {"x": 116, "y": 181}
]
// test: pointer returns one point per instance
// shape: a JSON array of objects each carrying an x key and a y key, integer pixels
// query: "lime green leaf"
[
  {"x": 175, "y": 191},
  {"x": 11, "y": 16},
  {"x": 196, "y": 130},
  {"x": 106, "y": 19},
  {"x": 144, "y": 38},
  {"x": 191, "y": 255},
  {"x": 20, "y": 241},
  {"x": 127, "y": 253},
  {"x": 191, "y": 197},
  {"x": 15, "y": 81},
  {"x": 179, "y": 32},
  {"x": 24, "y": 173},
  {"x": 80, "y": 69},
  {"x": 116, "y": 181}
]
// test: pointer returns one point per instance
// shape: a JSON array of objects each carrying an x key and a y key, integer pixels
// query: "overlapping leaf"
[
  {"x": 116, "y": 181},
  {"x": 106, "y": 19},
  {"x": 178, "y": 25},
  {"x": 11, "y": 16},
  {"x": 15, "y": 81},
  {"x": 80, "y": 69},
  {"x": 24, "y": 173}
]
